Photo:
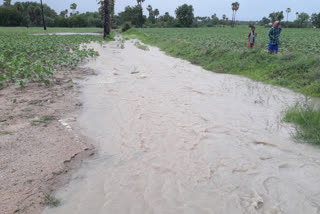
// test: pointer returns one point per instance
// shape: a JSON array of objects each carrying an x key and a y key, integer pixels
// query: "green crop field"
[
  {"x": 224, "y": 49},
  {"x": 25, "y": 57}
]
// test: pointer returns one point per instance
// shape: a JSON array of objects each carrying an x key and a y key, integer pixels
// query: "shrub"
[{"x": 126, "y": 26}]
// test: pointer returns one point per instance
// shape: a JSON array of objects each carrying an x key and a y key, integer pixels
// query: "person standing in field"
[
  {"x": 274, "y": 35},
  {"x": 252, "y": 37}
]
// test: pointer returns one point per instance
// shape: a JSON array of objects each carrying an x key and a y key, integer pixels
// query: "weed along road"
[{"x": 174, "y": 138}]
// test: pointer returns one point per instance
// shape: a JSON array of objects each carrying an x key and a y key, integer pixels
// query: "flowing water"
[{"x": 174, "y": 138}]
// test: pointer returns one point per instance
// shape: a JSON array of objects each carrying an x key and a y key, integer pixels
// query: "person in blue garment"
[{"x": 274, "y": 35}]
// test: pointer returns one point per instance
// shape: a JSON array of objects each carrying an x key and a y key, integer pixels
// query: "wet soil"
[{"x": 40, "y": 141}]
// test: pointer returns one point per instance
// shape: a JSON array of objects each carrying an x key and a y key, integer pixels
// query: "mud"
[
  {"x": 41, "y": 144},
  {"x": 174, "y": 138}
]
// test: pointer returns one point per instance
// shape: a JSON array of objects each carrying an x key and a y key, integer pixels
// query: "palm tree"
[
  {"x": 6, "y": 2},
  {"x": 19, "y": 7},
  {"x": 106, "y": 15},
  {"x": 288, "y": 10},
  {"x": 156, "y": 13},
  {"x": 140, "y": 2},
  {"x": 73, "y": 7},
  {"x": 149, "y": 8},
  {"x": 224, "y": 16},
  {"x": 224, "y": 19},
  {"x": 235, "y": 8},
  {"x": 111, "y": 11},
  {"x": 44, "y": 22},
  {"x": 141, "y": 13}
]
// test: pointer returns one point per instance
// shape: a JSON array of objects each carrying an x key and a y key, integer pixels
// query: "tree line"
[
  {"x": 184, "y": 17},
  {"x": 302, "y": 20},
  {"x": 28, "y": 14}
]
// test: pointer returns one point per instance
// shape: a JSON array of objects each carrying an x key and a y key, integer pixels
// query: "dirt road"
[{"x": 174, "y": 138}]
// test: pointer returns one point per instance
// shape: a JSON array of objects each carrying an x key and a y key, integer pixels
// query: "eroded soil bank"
[
  {"x": 40, "y": 142},
  {"x": 174, "y": 138}
]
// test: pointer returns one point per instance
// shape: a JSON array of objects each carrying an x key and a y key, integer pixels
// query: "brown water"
[{"x": 174, "y": 138}]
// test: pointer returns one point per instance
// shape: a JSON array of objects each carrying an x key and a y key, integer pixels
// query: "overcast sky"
[{"x": 249, "y": 9}]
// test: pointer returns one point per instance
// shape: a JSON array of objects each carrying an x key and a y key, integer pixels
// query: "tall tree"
[
  {"x": 151, "y": 17},
  {"x": 156, "y": 13},
  {"x": 149, "y": 8},
  {"x": 315, "y": 20},
  {"x": 73, "y": 7},
  {"x": 42, "y": 13},
  {"x": 166, "y": 20},
  {"x": 64, "y": 13},
  {"x": 141, "y": 13},
  {"x": 132, "y": 15},
  {"x": 185, "y": 15},
  {"x": 111, "y": 12},
  {"x": 214, "y": 19},
  {"x": 9, "y": 17},
  {"x": 303, "y": 19},
  {"x": 264, "y": 21},
  {"x": 140, "y": 2},
  {"x": 288, "y": 10},
  {"x": 235, "y": 7},
  {"x": 19, "y": 7},
  {"x": 276, "y": 16},
  {"x": 106, "y": 25},
  {"x": 297, "y": 14},
  {"x": 106, "y": 17},
  {"x": 224, "y": 17},
  {"x": 6, "y": 2}
]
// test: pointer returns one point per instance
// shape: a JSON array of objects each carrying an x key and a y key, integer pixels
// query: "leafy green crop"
[{"x": 25, "y": 57}]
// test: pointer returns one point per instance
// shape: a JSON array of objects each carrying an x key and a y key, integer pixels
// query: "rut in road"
[{"x": 174, "y": 138}]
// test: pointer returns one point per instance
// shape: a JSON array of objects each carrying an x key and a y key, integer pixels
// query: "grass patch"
[
  {"x": 44, "y": 120},
  {"x": 5, "y": 133},
  {"x": 51, "y": 201},
  {"x": 141, "y": 46},
  {"x": 307, "y": 123}
]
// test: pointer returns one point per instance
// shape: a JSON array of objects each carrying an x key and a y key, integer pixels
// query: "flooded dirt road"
[{"x": 174, "y": 138}]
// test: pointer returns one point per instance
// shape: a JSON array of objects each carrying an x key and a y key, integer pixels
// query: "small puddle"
[
  {"x": 66, "y": 34},
  {"x": 174, "y": 138}
]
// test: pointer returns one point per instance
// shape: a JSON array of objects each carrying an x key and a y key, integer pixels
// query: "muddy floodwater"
[{"x": 173, "y": 138}]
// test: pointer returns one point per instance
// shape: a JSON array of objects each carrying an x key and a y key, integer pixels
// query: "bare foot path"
[{"x": 174, "y": 138}]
